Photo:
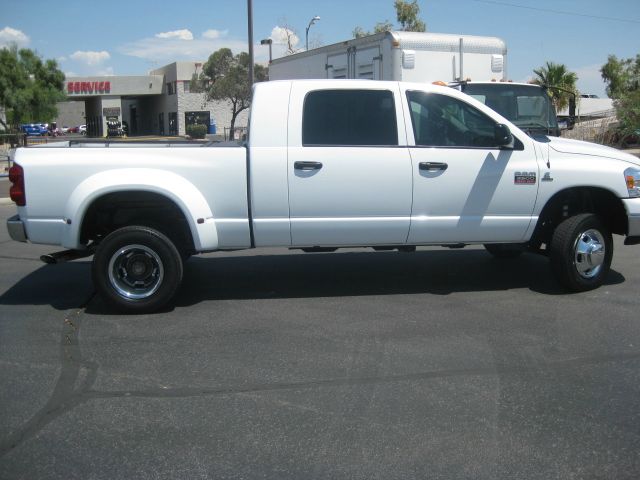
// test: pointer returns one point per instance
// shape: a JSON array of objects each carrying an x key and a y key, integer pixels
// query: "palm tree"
[{"x": 557, "y": 75}]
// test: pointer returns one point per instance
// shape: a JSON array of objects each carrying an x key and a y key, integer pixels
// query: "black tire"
[
  {"x": 580, "y": 252},
  {"x": 137, "y": 269},
  {"x": 504, "y": 250}
]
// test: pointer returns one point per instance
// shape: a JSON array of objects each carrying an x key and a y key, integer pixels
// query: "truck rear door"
[
  {"x": 338, "y": 65},
  {"x": 349, "y": 167},
  {"x": 368, "y": 63}
]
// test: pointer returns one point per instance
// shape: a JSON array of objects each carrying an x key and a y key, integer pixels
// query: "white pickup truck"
[{"x": 329, "y": 164}]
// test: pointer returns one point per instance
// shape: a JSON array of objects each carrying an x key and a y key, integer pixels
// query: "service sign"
[{"x": 84, "y": 88}]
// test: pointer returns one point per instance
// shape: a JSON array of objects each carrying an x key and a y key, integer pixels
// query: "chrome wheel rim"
[
  {"x": 135, "y": 272},
  {"x": 589, "y": 253}
]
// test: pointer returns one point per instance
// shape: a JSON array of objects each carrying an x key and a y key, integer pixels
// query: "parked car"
[
  {"x": 76, "y": 129},
  {"x": 33, "y": 129},
  {"x": 82, "y": 129}
]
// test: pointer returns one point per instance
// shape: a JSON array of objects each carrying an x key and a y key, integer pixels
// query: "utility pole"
[{"x": 250, "y": 20}]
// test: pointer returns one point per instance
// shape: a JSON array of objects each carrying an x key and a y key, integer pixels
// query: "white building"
[{"x": 160, "y": 103}]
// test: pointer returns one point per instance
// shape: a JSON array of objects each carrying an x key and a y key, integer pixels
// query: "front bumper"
[
  {"x": 632, "y": 205},
  {"x": 634, "y": 226},
  {"x": 16, "y": 229}
]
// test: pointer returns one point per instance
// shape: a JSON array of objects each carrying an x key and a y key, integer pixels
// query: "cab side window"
[
  {"x": 349, "y": 118},
  {"x": 444, "y": 121}
]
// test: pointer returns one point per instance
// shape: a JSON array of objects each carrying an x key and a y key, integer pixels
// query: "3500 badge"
[{"x": 525, "y": 178}]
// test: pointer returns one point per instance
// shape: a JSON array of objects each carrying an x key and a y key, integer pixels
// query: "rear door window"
[{"x": 349, "y": 118}]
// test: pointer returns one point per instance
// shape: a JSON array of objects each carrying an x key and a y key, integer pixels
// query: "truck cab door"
[
  {"x": 349, "y": 169},
  {"x": 466, "y": 187}
]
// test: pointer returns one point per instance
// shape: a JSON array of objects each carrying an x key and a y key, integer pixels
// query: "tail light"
[{"x": 16, "y": 192}]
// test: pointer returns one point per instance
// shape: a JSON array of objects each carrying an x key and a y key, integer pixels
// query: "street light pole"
[
  {"x": 313, "y": 20},
  {"x": 250, "y": 27}
]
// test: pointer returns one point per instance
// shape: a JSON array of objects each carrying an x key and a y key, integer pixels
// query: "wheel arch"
[
  {"x": 120, "y": 188},
  {"x": 576, "y": 200}
]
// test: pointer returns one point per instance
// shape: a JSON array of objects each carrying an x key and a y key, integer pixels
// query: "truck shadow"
[
  {"x": 64, "y": 286},
  {"x": 249, "y": 277},
  {"x": 437, "y": 272}
]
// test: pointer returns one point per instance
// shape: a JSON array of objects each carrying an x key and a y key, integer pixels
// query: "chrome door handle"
[{"x": 432, "y": 166}]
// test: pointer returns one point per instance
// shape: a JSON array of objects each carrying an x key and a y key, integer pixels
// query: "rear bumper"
[{"x": 16, "y": 229}]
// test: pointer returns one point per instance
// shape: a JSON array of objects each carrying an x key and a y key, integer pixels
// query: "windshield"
[{"x": 527, "y": 106}]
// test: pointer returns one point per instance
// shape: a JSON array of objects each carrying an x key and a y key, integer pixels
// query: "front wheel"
[
  {"x": 137, "y": 269},
  {"x": 581, "y": 251}
]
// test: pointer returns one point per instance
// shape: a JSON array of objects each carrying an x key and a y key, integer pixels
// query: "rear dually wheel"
[{"x": 137, "y": 269}]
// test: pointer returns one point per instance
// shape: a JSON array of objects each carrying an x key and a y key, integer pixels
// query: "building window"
[
  {"x": 169, "y": 88},
  {"x": 187, "y": 86},
  {"x": 173, "y": 123}
]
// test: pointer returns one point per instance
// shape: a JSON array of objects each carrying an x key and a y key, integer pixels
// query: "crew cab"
[{"x": 329, "y": 164}]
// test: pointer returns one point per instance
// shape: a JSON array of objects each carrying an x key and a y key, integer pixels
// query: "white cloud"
[
  {"x": 213, "y": 34},
  {"x": 90, "y": 58},
  {"x": 71, "y": 74},
  {"x": 183, "y": 34},
  {"x": 10, "y": 35},
  {"x": 173, "y": 48},
  {"x": 281, "y": 37}
]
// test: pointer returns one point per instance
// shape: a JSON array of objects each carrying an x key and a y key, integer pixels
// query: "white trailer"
[{"x": 400, "y": 56}]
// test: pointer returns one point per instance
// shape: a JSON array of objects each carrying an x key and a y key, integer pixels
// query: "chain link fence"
[{"x": 239, "y": 133}]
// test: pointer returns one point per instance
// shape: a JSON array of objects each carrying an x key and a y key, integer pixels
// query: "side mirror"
[{"x": 502, "y": 135}]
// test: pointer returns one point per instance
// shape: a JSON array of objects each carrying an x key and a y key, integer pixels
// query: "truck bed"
[{"x": 64, "y": 178}]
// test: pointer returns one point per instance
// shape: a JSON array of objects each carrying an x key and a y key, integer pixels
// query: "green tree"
[
  {"x": 621, "y": 76},
  {"x": 557, "y": 75},
  {"x": 406, "y": 14},
  {"x": 380, "y": 27},
  {"x": 226, "y": 77},
  {"x": 623, "y": 85},
  {"x": 29, "y": 87}
]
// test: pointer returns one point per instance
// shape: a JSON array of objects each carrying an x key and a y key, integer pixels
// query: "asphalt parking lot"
[{"x": 276, "y": 364}]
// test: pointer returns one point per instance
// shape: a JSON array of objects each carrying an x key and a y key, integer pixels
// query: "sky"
[{"x": 133, "y": 37}]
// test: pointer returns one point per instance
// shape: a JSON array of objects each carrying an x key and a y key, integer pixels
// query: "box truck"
[
  {"x": 401, "y": 56},
  {"x": 474, "y": 64}
]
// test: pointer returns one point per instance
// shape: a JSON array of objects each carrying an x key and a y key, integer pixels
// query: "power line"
[{"x": 574, "y": 14}]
